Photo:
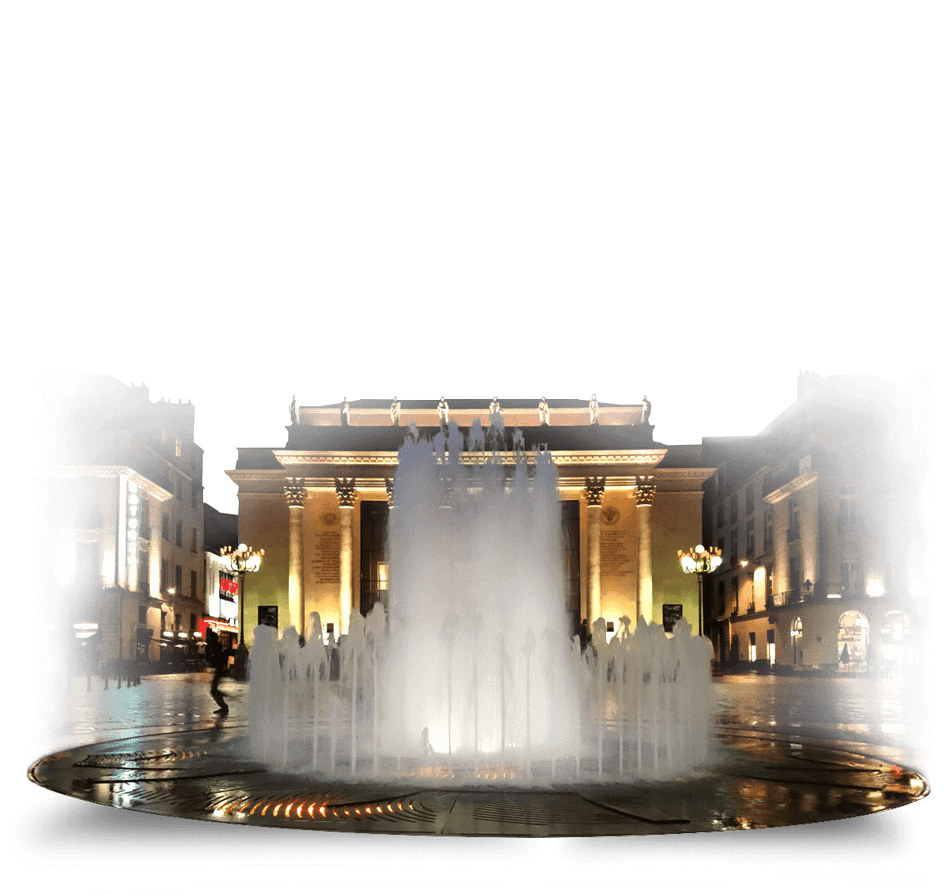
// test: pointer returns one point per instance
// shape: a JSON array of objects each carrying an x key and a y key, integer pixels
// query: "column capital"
[
  {"x": 295, "y": 492},
  {"x": 594, "y": 490},
  {"x": 345, "y": 492},
  {"x": 646, "y": 490}
]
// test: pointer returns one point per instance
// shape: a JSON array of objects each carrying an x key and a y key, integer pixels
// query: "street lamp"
[
  {"x": 700, "y": 561},
  {"x": 239, "y": 561}
]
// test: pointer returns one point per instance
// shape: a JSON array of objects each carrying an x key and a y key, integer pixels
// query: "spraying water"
[{"x": 474, "y": 672}]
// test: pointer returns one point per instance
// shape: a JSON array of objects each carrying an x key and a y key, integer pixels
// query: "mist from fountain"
[{"x": 474, "y": 673}]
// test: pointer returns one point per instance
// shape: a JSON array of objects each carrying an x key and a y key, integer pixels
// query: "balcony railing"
[{"x": 789, "y": 597}]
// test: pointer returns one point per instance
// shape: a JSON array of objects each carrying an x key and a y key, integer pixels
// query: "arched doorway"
[
  {"x": 797, "y": 642},
  {"x": 852, "y": 641}
]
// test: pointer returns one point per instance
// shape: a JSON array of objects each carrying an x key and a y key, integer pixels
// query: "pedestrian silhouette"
[{"x": 217, "y": 658}]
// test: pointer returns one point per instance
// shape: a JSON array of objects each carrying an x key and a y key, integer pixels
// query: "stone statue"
[
  {"x": 394, "y": 411},
  {"x": 645, "y": 412},
  {"x": 293, "y": 411},
  {"x": 494, "y": 406},
  {"x": 443, "y": 411},
  {"x": 594, "y": 409},
  {"x": 544, "y": 413},
  {"x": 345, "y": 413}
]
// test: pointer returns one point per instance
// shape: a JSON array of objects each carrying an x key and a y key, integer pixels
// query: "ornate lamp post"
[
  {"x": 700, "y": 561},
  {"x": 239, "y": 561}
]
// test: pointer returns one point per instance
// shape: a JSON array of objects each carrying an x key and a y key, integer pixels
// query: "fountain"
[{"x": 474, "y": 675}]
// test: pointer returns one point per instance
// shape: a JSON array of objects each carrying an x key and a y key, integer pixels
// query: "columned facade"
[
  {"x": 312, "y": 503},
  {"x": 593, "y": 496},
  {"x": 296, "y": 494},
  {"x": 645, "y": 494},
  {"x": 346, "y": 496}
]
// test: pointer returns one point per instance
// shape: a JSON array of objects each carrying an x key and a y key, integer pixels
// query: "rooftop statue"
[
  {"x": 645, "y": 412},
  {"x": 345, "y": 413},
  {"x": 394, "y": 411},
  {"x": 594, "y": 409},
  {"x": 544, "y": 414},
  {"x": 443, "y": 410},
  {"x": 293, "y": 411}
]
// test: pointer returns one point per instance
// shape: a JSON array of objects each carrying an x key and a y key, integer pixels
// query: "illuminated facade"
[
  {"x": 319, "y": 506},
  {"x": 121, "y": 520},
  {"x": 819, "y": 522},
  {"x": 221, "y": 600}
]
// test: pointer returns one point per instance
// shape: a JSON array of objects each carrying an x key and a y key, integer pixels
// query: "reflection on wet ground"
[{"x": 868, "y": 710}]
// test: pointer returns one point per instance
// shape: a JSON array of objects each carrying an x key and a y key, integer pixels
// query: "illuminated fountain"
[{"x": 474, "y": 674}]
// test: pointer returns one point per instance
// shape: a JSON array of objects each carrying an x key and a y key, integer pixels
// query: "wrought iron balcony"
[{"x": 789, "y": 597}]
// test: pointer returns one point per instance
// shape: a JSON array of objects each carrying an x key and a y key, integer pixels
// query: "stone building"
[
  {"x": 129, "y": 551},
  {"x": 820, "y": 522},
  {"x": 319, "y": 505}
]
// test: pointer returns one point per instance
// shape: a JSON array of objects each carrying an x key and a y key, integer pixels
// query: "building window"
[
  {"x": 847, "y": 509},
  {"x": 178, "y": 452},
  {"x": 850, "y": 578},
  {"x": 166, "y": 527},
  {"x": 163, "y": 582},
  {"x": 178, "y": 490},
  {"x": 194, "y": 494},
  {"x": 751, "y": 647},
  {"x": 178, "y": 579},
  {"x": 720, "y": 514},
  {"x": 769, "y": 530},
  {"x": 734, "y": 545},
  {"x": 143, "y": 570},
  {"x": 734, "y": 587},
  {"x": 194, "y": 540},
  {"x": 145, "y": 532},
  {"x": 194, "y": 586},
  {"x": 733, "y": 509},
  {"x": 143, "y": 614},
  {"x": 768, "y": 583},
  {"x": 793, "y": 529},
  {"x": 721, "y": 597},
  {"x": 749, "y": 500},
  {"x": 750, "y": 538},
  {"x": 178, "y": 534},
  {"x": 194, "y": 619}
]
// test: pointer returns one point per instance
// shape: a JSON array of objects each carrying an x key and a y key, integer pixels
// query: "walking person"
[{"x": 217, "y": 658}]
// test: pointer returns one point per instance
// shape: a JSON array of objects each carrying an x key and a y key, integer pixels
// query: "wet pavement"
[{"x": 787, "y": 752}]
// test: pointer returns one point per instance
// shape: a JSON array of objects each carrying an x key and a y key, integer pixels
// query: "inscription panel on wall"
[
  {"x": 617, "y": 557},
  {"x": 322, "y": 555},
  {"x": 325, "y": 561}
]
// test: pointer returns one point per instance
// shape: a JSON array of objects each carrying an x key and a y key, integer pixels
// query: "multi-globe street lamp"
[
  {"x": 239, "y": 561},
  {"x": 700, "y": 561}
]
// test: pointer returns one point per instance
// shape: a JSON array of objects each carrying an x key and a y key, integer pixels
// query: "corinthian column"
[
  {"x": 646, "y": 491},
  {"x": 346, "y": 495},
  {"x": 296, "y": 493},
  {"x": 594, "y": 495}
]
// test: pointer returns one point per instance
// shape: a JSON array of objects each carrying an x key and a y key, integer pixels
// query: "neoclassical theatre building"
[{"x": 319, "y": 505}]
